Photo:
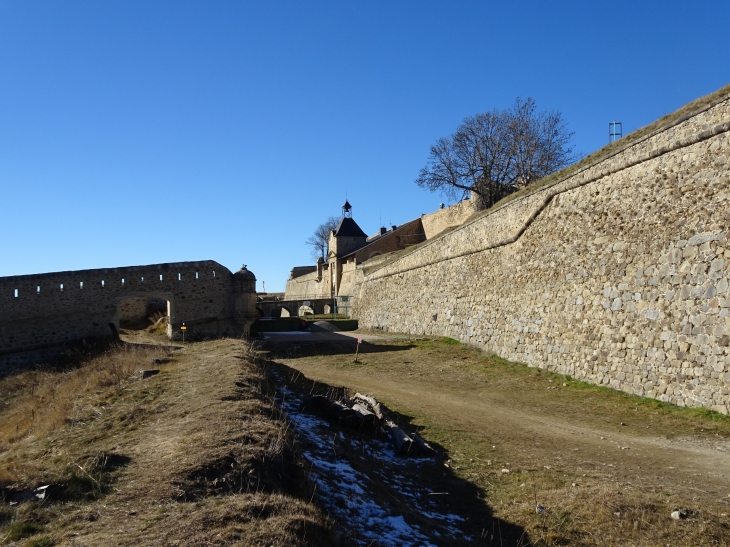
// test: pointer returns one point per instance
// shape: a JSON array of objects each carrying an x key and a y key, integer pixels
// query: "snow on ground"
[{"x": 350, "y": 495}]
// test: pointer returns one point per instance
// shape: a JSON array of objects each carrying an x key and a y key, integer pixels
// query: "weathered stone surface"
[
  {"x": 617, "y": 275},
  {"x": 42, "y": 311}
]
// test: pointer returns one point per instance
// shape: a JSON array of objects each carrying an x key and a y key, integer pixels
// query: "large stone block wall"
[
  {"x": 436, "y": 222},
  {"x": 47, "y": 310},
  {"x": 352, "y": 277},
  {"x": 133, "y": 309},
  {"x": 617, "y": 275},
  {"x": 309, "y": 286}
]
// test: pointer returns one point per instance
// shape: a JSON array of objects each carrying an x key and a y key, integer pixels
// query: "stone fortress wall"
[
  {"x": 436, "y": 222},
  {"x": 617, "y": 275},
  {"x": 316, "y": 284},
  {"x": 316, "y": 281},
  {"x": 44, "y": 311}
]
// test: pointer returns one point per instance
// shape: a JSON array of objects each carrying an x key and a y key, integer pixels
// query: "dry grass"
[
  {"x": 196, "y": 455},
  {"x": 583, "y": 504},
  {"x": 159, "y": 324},
  {"x": 38, "y": 402}
]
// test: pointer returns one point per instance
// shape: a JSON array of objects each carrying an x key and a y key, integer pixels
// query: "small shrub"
[
  {"x": 20, "y": 530},
  {"x": 91, "y": 480},
  {"x": 40, "y": 541},
  {"x": 450, "y": 341},
  {"x": 159, "y": 324}
]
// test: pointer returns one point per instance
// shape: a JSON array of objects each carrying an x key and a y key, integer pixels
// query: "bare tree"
[
  {"x": 318, "y": 240},
  {"x": 492, "y": 154}
]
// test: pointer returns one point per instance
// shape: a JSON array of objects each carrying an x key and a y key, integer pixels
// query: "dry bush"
[
  {"x": 613, "y": 515},
  {"x": 45, "y": 400},
  {"x": 159, "y": 324}
]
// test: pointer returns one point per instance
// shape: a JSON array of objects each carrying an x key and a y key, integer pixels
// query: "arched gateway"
[{"x": 40, "y": 312}]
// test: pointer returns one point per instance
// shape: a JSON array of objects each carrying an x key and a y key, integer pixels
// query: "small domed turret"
[
  {"x": 244, "y": 295},
  {"x": 244, "y": 274}
]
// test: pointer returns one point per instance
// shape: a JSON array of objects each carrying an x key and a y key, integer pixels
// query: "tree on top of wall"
[
  {"x": 319, "y": 239},
  {"x": 494, "y": 153}
]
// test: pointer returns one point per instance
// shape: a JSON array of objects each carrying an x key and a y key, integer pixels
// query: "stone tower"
[
  {"x": 244, "y": 297},
  {"x": 347, "y": 237}
]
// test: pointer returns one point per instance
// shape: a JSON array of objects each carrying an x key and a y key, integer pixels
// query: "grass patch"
[
  {"x": 20, "y": 530},
  {"x": 42, "y": 541},
  {"x": 217, "y": 461}
]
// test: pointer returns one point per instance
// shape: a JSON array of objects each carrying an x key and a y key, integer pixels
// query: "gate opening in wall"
[{"x": 144, "y": 313}]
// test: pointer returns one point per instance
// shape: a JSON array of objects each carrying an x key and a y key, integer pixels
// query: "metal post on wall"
[{"x": 615, "y": 131}]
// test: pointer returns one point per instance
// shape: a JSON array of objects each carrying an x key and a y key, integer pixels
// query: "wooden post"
[{"x": 357, "y": 350}]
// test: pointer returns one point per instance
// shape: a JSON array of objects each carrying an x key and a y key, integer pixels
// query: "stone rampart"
[
  {"x": 310, "y": 285},
  {"x": 43, "y": 311},
  {"x": 617, "y": 274},
  {"x": 436, "y": 222}
]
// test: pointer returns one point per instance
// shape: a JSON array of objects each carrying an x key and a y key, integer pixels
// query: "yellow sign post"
[{"x": 183, "y": 328}]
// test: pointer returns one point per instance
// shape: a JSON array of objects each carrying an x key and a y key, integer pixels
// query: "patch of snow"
[{"x": 348, "y": 494}]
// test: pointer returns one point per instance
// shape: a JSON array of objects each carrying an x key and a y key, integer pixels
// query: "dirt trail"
[
  {"x": 533, "y": 427},
  {"x": 201, "y": 436}
]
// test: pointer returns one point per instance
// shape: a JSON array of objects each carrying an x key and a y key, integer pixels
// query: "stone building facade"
[
  {"x": 447, "y": 217},
  {"x": 350, "y": 249}
]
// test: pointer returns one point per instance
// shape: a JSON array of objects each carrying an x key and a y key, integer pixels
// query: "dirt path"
[
  {"x": 586, "y": 439},
  {"x": 636, "y": 456},
  {"x": 201, "y": 457}
]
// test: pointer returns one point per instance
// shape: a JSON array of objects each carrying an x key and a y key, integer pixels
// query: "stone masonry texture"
[
  {"x": 47, "y": 310},
  {"x": 617, "y": 275}
]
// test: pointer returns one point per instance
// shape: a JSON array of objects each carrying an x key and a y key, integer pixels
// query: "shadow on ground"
[
  {"x": 334, "y": 344},
  {"x": 424, "y": 492}
]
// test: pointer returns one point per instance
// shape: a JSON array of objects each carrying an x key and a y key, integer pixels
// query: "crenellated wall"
[
  {"x": 43, "y": 311},
  {"x": 617, "y": 274}
]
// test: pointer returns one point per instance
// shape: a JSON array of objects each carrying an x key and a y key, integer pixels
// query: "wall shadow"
[
  {"x": 334, "y": 344},
  {"x": 416, "y": 489}
]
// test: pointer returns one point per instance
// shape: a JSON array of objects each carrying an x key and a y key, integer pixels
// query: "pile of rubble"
[{"x": 365, "y": 414}]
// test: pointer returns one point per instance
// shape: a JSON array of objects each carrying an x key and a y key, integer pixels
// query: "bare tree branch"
[
  {"x": 319, "y": 239},
  {"x": 493, "y": 153}
]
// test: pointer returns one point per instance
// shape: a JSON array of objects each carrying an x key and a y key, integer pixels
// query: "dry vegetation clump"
[
  {"x": 596, "y": 515},
  {"x": 159, "y": 324},
  {"x": 37, "y": 402}
]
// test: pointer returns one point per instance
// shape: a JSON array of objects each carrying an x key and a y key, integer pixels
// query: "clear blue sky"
[{"x": 143, "y": 132}]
